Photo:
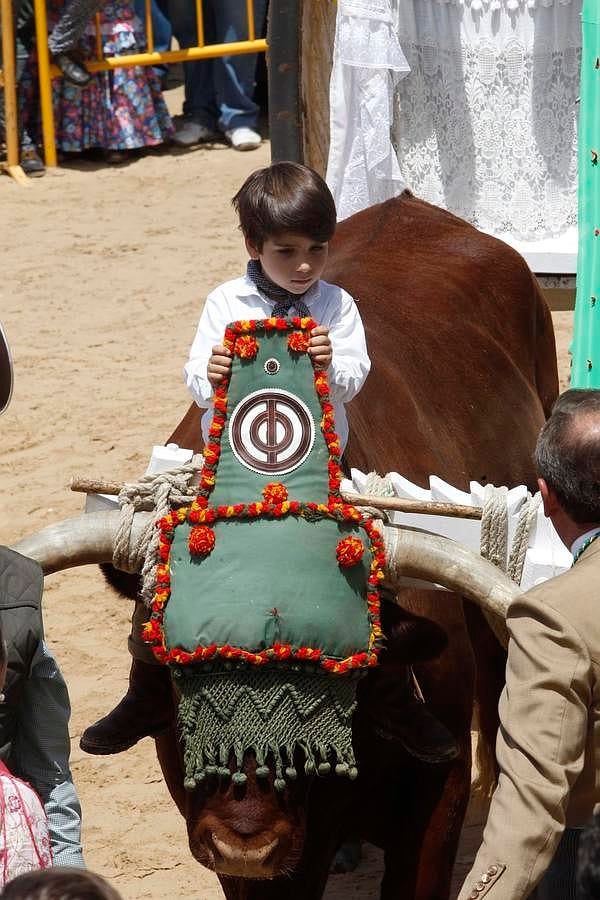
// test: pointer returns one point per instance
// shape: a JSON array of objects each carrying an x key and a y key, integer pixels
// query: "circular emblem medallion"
[
  {"x": 272, "y": 366},
  {"x": 271, "y": 431}
]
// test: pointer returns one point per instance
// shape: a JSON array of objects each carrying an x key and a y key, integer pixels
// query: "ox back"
[{"x": 464, "y": 373}]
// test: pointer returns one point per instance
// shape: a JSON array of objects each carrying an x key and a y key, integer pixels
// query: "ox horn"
[
  {"x": 412, "y": 553},
  {"x": 85, "y": 539}
]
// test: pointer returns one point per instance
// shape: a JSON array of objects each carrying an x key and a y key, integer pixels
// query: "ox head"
[{"x": 250, "y": 817}]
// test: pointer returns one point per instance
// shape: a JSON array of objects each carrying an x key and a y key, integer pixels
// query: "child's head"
[
  {"x": 287, "y": 216},
  {"x": 285, "y": 197},
  {"x": 60, "y": 883}
]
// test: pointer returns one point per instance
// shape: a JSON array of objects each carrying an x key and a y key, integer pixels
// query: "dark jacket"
[{"x": 21, "y": 584}]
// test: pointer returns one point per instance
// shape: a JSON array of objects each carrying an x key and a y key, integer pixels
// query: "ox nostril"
[{"x": 248, "y": 856}]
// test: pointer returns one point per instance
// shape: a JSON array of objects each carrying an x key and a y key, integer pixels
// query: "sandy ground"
[{"x": 103, "y": 275}]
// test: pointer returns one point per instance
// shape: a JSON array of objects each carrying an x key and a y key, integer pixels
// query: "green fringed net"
[{"x": 273, "y": 713}]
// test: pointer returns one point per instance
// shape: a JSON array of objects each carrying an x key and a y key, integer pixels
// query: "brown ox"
[{"x": 464, "y": 373}]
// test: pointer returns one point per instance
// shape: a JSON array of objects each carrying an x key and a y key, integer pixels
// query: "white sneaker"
[
  {"x": 190, "y": 132},
  {"x": 243, "y": 138}
]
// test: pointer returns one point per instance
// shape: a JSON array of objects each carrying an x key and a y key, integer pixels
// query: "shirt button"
[
  {"x": 493, "y": 870},
  {"x": 479, "y": 886},
  {"x": 486, "y": 878},
  {"x": 473, "y": 895}
]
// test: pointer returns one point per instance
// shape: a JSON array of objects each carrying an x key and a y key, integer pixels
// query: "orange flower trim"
[
  {"x": 201, "y": 540},
  {"x": 246, "y": 346},
  {"x": 275, "y": 492},
  {"x": 200, "y": 515},
  {"x": 349, "y": 552},
  {"x": 152, "y": 631},
  {"x": 298, "y": 341}
]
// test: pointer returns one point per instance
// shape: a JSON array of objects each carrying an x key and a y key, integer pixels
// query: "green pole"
[{"x": 585, "y": 347}]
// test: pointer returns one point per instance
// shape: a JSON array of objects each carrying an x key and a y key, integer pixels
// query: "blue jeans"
[
  {"x": 219, "y": 92},
  {"x": 161, "y": 27}
]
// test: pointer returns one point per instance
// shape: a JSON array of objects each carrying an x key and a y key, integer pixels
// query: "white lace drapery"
[
  {"x": 367, "y": 65},
  {"x": 485, "y": 123}
]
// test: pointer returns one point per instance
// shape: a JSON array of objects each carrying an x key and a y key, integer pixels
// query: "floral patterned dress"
[{"x": 122, "y": 109}]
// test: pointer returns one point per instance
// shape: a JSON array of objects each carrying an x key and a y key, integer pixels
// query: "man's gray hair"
[{"x": 567, "y": 454}]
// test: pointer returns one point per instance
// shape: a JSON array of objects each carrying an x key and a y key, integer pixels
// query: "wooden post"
[
  {"x": 9, "y": 71},
  {"x": 45, "y": 78}
]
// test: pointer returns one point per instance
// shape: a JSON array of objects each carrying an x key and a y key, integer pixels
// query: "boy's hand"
[
  {"x": 219, "y": 365},
  {"x": 319, "y": 347}
]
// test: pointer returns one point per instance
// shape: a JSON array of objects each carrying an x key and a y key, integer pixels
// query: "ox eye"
[{"x": 272, "y": 366}]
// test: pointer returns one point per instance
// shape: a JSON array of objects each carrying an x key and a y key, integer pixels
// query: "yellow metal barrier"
[
  {"x": 8, "y": 80},
  {"x": 149, "y": 58}
]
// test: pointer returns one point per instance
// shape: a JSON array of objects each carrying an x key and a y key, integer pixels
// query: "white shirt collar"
[{"x": 580, "y": 541}]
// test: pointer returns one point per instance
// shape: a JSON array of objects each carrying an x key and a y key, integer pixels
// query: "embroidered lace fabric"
[
  {"x": 367, "y": 66},
  {"x": 485, "y": 123}
]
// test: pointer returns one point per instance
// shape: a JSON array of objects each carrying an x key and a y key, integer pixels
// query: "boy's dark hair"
[
  {"x": 60, "y": 883},
  {"x": 567, "y": 454},
  {"x": 285, "y": 196}
]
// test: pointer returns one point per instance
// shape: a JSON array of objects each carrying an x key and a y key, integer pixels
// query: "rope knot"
[{"x": 160, "y": 492}]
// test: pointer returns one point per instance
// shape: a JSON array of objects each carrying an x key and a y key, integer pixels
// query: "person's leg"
[
  {"x": 31, "y": 162},
  {"x": 235, "y": 76},
  {"x": 161, "y": 27},
  {"x": 199, "y": 108},
  {"x": 146, "y": 710},
  {"x": 161, "y": 31},
  {"x": 560, "y": 880}
]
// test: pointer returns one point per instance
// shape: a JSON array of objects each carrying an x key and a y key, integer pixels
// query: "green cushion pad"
[{"x": 269, "y": 581}]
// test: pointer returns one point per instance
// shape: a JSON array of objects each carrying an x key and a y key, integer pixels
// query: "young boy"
[{"x": 287, "y": 216}]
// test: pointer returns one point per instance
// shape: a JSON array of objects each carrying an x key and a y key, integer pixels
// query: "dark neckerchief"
[
  {"x": 585, "y": 545},
  {"x": 282, "y": 300}
]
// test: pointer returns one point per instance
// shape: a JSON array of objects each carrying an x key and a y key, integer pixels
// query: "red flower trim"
[
  {"x": 201, "y": 541},
  {"x": 275, "y": 492},
  {"x": 298, "y": 341},
  {"x": 349, "y": 552},
  {"x": 246, "y": 346},
  {"x": 199, "y": 513},
  {"x": 152, "y": 631}
]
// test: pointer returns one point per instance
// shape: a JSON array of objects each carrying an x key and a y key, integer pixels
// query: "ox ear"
[{"x": 409, "y": 638}]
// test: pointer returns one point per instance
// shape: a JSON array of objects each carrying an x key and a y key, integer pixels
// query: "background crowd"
[{"x": 122, "y": 111}]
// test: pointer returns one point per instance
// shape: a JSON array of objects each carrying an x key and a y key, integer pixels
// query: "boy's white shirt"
[{"x": 328, "y": 304}]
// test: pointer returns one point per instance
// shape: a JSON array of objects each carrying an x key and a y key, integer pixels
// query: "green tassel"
[
  {"x": 190, "y": 784},
  {"x": 239, "y": 778}
]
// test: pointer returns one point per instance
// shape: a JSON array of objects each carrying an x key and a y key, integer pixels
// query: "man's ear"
[
  {"x": 549, "y": 498},
  {"x": 253, "y": 251}
]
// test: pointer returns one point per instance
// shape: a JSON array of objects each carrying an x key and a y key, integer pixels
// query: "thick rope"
[
  {"x": 161, "y": 492},
  {"x": 377, "y": 486},
  {"x": 527, "y": 517},
  {"x": 494, "y": 526}
]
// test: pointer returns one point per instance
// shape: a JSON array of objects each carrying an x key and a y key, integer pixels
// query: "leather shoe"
[
  {"x": 73, "y": 72},
  {"x": 146, "y": 710},
  {"x": 31, "y": 163}
]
